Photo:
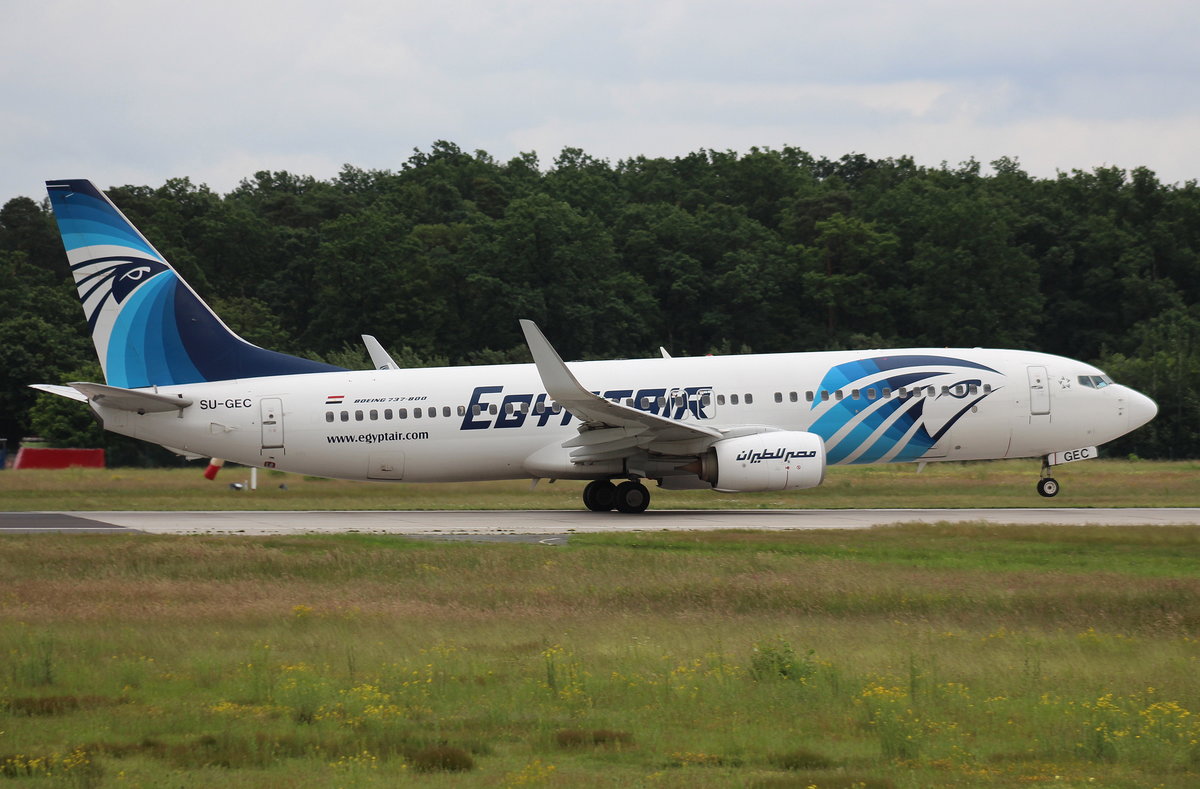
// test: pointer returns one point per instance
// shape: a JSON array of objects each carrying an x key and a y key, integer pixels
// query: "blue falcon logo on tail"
[{"x": 149, "y": 327}]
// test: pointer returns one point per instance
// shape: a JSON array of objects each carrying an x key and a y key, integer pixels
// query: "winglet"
[
  {"x": 379, "y": 357},
  {"x": 560, "y": 384},
  {"x": 593, "y": 410}
]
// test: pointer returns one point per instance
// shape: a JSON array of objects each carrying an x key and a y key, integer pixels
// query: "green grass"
[
  {"x": 1102, "y": 483},
  {"x": 911, "y": 656}
]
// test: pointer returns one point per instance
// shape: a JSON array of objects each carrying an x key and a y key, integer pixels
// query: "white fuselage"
[{"x": 483, "y": 423}]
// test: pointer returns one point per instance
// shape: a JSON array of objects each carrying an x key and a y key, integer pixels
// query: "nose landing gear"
[{"x": 1047, "y": 486}]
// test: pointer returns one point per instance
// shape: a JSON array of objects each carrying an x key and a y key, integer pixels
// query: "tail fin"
[{"x": 150, "y": 328}]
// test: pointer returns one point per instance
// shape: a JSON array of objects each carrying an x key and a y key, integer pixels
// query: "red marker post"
[{"x": 214, "y": 466}]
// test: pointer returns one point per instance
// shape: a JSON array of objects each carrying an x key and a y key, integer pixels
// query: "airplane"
[{"x": 177, "y": 376}]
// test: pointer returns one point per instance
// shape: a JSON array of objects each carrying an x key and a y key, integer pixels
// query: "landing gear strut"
[
  {"x": 631, "y": 496},
  {"x": 1047, "y": 486}
]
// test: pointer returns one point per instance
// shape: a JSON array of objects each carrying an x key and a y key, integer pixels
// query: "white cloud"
[{"x": 141, "y": 91}]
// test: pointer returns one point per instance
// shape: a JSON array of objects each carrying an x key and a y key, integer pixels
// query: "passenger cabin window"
[
  {"x": 749, "y": 399},
  {"x": 446, "y": 409},
  {"x": 387, "y": 413},
  {"x": 779, "y": 397},
  {"x": 808, "y": 397},
  {"x": 345, "y": 416},
  {"x": 837, "y": 395},
  {"x": 462, "y": 410},
  {"x": 402, "y": 413},
  {"x": 706, "y": 399},
  {"x": 720, "y": 399},
  {"x": 432, "y": 412},
  {"x": 794, "y": 396},
  {"x": 328, "y": 416},
  {"x": 374, "y": 415},
  {"x": 854, "y": 393},
  {"x": 492, "y": 409},
  {"x": 824, "y": 394},
  {"x": 358, "y": 416},
  {"x": 733, "y": 399}
]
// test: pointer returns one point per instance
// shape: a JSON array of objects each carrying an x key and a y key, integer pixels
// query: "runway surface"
[{"x": 474, "y": 524}]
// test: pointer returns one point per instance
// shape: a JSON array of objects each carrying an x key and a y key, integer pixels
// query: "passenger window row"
[
  {"x": 679, "y": 401},
  {"x": 885, "y": 393},
  {"x": 375, "y": 414},
  {"x": 431, "y": 412}
]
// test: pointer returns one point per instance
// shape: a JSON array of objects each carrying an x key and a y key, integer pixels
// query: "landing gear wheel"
[
  {"x": 632, "y": 496},
  {"x": 1048, "y": 487},
  {"x": 600, "y": 495}
]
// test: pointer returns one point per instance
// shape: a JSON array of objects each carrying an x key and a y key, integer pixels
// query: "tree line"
[{"x": 709, "y": 252}]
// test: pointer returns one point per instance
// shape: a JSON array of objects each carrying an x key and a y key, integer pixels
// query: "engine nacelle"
[{"x": 783, "y": 460}]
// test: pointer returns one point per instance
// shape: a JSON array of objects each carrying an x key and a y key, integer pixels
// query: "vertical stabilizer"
[{"x": 149, "y": 327}]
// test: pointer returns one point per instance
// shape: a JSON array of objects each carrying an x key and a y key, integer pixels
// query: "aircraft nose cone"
[{"x": 1139, "y": 409}]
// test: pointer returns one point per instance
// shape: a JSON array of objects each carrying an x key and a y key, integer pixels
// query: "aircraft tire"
[
  {"x": 600, "y": 495},
  {"x": 632, "y": 497},
  {"x": 1048, "y": 487}
]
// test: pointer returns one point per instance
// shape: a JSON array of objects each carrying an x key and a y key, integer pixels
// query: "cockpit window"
[{"x": 1095, "y": 381}]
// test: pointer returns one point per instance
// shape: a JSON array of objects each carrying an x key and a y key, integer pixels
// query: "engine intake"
[{"x": 783, "y": 460}]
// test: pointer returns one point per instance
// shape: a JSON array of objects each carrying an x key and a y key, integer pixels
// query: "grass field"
[
  {"x": 913, "y": 656},
  {"x": 1100, "y": 483}
]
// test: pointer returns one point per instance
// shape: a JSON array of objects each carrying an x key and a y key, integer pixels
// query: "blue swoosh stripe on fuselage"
[
  {"x": 843, "y": 374},
  {"x": 862, "y": 431}
]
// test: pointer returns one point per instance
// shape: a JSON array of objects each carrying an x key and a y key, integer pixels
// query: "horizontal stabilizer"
[
  {"x": 135, "y": 400},
  {"x": 61, "y": 391}
]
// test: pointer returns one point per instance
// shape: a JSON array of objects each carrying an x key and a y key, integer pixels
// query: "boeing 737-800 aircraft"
[{"x": 177, "y": 376}]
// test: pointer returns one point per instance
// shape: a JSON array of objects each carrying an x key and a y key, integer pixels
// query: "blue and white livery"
[{"x": 177, "y": 376}]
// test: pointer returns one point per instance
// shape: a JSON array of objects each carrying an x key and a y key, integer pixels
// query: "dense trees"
[{"x": 768, "y": 251}]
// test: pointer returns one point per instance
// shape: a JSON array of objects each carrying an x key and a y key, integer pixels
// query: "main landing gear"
[
  {"x": 601, "y": 495},
  {"x": 1047, "y": 486}
]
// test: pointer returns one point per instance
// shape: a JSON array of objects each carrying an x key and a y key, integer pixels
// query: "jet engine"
[{"x": 782, "y": 460}]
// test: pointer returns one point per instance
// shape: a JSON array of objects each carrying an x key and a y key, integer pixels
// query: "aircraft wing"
[{"x": 609, "y": 430}]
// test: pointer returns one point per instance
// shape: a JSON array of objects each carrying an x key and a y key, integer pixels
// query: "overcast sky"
[{"x": 135, "y": 92}]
